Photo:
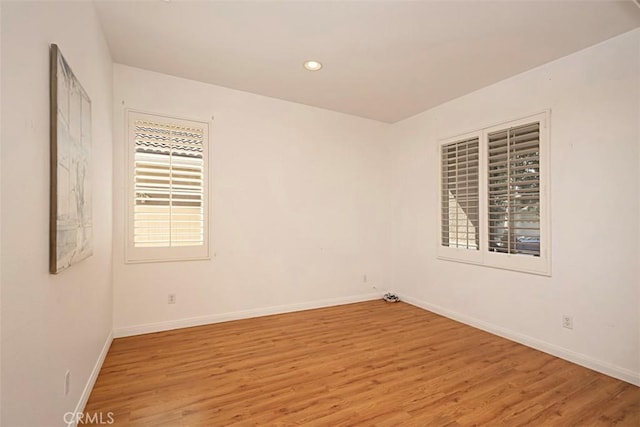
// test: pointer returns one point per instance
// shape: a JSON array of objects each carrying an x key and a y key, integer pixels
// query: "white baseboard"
[
  {"x": 84, "y": 397},
  {"x": 555, "y": 350},
  {"x": 236, "y": 315}
]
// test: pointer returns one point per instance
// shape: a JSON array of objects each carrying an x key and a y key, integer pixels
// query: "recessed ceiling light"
[{"x": 312, "y": 65}]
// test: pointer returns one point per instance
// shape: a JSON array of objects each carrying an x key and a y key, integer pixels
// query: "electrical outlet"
[
  {"x": 171, "y": 299},
  {"x": 364, "y": 278},
  {"x": 67, "y": 382},
  {"x": 567, "y": 322}
]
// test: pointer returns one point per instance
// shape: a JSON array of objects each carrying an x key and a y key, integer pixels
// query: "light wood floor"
[{"x": 371, "y": 363}]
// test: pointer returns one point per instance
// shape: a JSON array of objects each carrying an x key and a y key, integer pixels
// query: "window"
[
  {"x": 168, "y": 203},
  {"x": 493, "y": 198},
  {"x": 514, "y": 190},
  {"x": 459, "y": 196}
]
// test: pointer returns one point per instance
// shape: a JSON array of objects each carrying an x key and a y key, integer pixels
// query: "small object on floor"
[{"x": 389, "y": 297}]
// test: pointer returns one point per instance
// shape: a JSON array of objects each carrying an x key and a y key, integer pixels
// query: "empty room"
[{"x": 328, "y": 213}]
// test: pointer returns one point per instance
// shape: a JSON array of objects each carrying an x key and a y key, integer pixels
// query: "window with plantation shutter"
[
  {"x": 494, "y": 208},
  {"x": 514, "y": 190},
  {"x": 460, "y": 201},
  {"x": 168, "y": 215}
]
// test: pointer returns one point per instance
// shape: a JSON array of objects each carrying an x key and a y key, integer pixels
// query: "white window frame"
[
  {"x": 135, "y": 254},
  {"x": 529, "y": 264}
]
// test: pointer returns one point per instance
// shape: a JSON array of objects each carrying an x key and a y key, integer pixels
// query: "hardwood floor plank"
[{"x": 369, "y": 363}]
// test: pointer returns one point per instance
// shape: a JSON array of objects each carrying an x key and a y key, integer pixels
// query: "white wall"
[
  {"x": 50, "y": 323},
  {"x": 594, "y": 96},
  {"x": 299, "y": 208}
]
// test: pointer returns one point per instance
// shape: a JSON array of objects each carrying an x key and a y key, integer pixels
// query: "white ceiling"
[{"x": 384, "y": 60}]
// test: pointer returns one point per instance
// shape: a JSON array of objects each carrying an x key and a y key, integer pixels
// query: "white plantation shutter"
[
  {"x": 494, "y": 200},
  {"x": 168, "y": 215},
  {"x": 514, "y": 190},
  {"x": 459, "y": 194}
]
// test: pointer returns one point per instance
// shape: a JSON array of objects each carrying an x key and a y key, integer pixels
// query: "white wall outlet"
[
  {"x": 67, "y": 382},
  {"x": 171, "y": 299},
  {"x": 567, "y": 321}
]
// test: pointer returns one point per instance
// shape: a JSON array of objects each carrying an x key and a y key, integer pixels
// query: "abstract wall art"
[{"x": 70, "y": 222}]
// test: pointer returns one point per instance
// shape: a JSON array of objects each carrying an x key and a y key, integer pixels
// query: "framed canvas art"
[{"x": 70, "y": 222}]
